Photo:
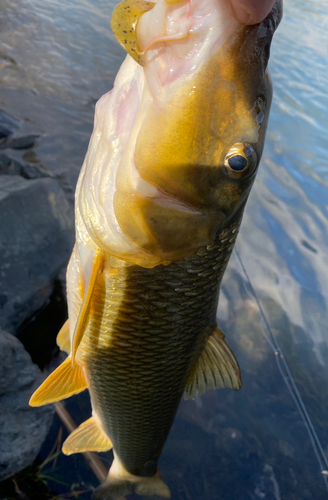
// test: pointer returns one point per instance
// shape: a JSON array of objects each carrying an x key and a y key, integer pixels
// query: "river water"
[{"x": 270, "y": 440}]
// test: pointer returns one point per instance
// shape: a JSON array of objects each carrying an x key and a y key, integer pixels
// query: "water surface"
[{"x": 56, "y": 59}]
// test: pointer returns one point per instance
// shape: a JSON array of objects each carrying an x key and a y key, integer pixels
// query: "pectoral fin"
[
  {"x": 85, "y": 307},
  {"x": 216, "y": 368},
  {"x": 63, "y": 338},
  {"x": 87, "y": 437},
  {"x": 61, "y": 384}
]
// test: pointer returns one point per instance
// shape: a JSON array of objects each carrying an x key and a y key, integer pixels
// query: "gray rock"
[
  {"x": 23, "y": 142},
  {"x": 13, "y": 166},
  {"x": 8, "y": 124},
  {"x": 22, "y": 428},
  {"x": 36, "y": 239}
]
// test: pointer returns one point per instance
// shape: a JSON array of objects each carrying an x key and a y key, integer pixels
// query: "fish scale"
[{"x": 143, "y": 342}]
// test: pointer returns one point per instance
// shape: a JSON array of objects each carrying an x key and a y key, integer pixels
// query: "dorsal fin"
[
  {"x": 124, "y": 23},
  {"x": 63, "y": 338},
  {"x": 216, "y": 368},
  {"x": 61, "y": 384},
  {"x": 87, "y": 437},
  {"x": 85, "y": 307}
]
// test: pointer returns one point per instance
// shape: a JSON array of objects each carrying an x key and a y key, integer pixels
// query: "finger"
[{"x": 251, "y": 11}]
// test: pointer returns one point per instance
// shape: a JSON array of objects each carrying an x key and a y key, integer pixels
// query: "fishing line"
[{"x": 289, "y": 380}]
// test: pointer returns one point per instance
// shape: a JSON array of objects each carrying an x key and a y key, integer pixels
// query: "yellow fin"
[
  {"x": 85, "y": 307},
  {"x": 124, "y": 23},
  {"x": 87, "y": 437},
  {"x": 61, "y": 384},
  {"x": 216, "y": 368},
  {"x": 152, "y": 486},
  {"x": 120, "y": 483},
  {"x": 63, "y": 339}
]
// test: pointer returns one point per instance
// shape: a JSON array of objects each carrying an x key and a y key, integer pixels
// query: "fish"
[{"x": 159, "y": 201}]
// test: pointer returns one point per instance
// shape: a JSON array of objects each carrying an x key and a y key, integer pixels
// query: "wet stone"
[
  {"x": 22, "y": 428},
  {"x": 14, "y": 166},
  {"x": 8, "y": 125},
  {"x": 23, "y": 142},
  {"x": 36, "y": 240}
]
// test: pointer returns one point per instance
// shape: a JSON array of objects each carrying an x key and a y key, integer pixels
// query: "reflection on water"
[{"x": 56, "y": 59}]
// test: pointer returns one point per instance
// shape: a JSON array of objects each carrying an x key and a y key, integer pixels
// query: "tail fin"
[
  {"x": 120, "y": 483},
  {"x": 113, "y": 488}
]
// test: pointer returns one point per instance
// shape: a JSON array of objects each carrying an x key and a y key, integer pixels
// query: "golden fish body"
[
  {"x": 147, "y": 328},
  {"x": 159, "y": 202}
]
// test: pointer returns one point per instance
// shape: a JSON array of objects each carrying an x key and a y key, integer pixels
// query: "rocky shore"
[{"x": 36, "y": 239}]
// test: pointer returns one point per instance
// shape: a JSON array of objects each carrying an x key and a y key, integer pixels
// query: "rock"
[
  {"x": 23, "y": 142},
  {"x": 22, "y": 428},
  {"x": 14, "y": 166},
  {"x": 36, "y": 240},
  {"x": 8, "y": 124}
]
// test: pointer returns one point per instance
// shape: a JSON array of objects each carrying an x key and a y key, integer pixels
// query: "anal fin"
[
  {"x": 216, "y": 368},
  {"x": 61, "y": 384},
  {"x": 63, "y": 338},
  {"x": 87, "y": 437}
]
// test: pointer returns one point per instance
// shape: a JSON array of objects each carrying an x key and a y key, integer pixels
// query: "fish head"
[
  {"x": 196, "y": 137},
  {"x": 202, "y": 141}
]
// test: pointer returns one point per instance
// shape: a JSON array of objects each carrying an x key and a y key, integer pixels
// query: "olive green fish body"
[{"x": 146, "y": 331}]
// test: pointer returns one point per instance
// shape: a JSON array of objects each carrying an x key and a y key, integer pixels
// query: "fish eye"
[
  {"x": 237, "y": 162},
  {"x": 240, "y": 158}
]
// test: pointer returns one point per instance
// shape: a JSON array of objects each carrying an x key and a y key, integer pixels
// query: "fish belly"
[{"x": 146, "y": 330}]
